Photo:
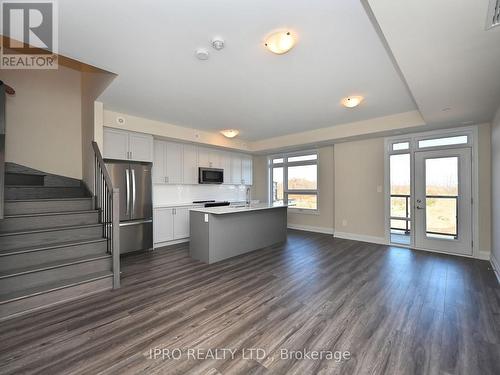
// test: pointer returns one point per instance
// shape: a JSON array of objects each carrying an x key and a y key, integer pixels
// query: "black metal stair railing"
[{"x": 107, "y": 202}]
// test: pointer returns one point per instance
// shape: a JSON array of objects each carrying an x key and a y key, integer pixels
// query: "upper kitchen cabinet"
[
  {"x": 247, "y": 170},
  {"x": 168, "y": 163},
  {"x": 123, "y": 145},
  {"x": 225, "y": 162},
  {"x": 209, "y": 158},
  {"x": 236, "y": 177},
  {"x": 190, "y": 164}
]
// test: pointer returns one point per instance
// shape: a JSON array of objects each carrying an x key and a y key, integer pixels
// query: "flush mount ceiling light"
[
  {"x": 280, "y": 42},
  {"x": 230, "y": 133},
  {"x": 202, "y": 54},
  {"x": 352, "y": 101}
]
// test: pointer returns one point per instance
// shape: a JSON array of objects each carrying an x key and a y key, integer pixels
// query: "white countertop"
[
  {"x": 236, "y": 209},
  {"x": 190, "y": 204}
]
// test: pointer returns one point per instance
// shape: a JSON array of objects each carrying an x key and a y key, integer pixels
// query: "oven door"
[{"x": 210, "y": 176}]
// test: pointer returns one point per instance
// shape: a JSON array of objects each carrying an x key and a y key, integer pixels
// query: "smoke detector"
[
  {"x": 218, "y": 43},
  {"x": 202, "y": 54}
]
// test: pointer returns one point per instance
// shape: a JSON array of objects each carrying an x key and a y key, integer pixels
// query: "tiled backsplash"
[{"x": 173, "y": 194}]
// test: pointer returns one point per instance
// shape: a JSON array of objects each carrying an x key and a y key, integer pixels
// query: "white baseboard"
[
  {"x": 496, "y": 266},
  {"x": 169, "y": 243},
  {"x": 483, "y": 255},
  {"x": 309, "y": 228},
  {"x": 360, "y": 237}
]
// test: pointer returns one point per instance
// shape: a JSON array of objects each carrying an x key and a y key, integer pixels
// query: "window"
[
  {"x": 400, "y": 146},
  {"x": 294, "y": 180},
  {"x": 448, "y": 141}
]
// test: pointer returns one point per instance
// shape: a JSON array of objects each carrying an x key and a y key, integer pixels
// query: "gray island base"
[{"x": 220, "y": 233}]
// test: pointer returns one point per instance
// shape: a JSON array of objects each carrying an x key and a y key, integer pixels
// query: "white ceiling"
[
  {"x": 150, "y": 45},
  {"x": 450, "y": 62}
]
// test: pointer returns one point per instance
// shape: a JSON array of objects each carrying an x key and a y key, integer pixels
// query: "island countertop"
[{"x": 222, "y": 210}]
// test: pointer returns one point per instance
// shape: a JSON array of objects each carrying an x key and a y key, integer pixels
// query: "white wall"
[
  {"x": 359, "y": 181},
  {"x": 495, "y": 174},
  {"x": 44, "y": 120},
  {"x": 165, "y": 130}
]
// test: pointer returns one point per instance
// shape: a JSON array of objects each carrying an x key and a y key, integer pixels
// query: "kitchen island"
[{"x": 218, "y": 233}]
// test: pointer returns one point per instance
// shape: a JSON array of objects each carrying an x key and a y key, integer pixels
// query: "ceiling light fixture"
[
  {"x": 218, "y": 43},
  {"x": 230, "y": 133},
  {"x": 202, "y": 54},
  {"x": 352, "y": 101},
  {"x": 280, "y": 42}
]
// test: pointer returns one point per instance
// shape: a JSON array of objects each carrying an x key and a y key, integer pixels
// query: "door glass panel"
[
  {"x": 400, "y": 198},
  {"x": 278, "y": 185},
  {"x": 441, "y": 179}
]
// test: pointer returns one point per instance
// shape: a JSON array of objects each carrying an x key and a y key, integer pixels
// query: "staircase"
[{"x": 52, "y": 243}]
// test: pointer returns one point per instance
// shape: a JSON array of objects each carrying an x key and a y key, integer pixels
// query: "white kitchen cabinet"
[
  {"x": 247, "y": 170},
  {"x": 174, "y": 163},
  {"x": 167, "y": 163},
  {"x": 225, "y": 161},
  {"x": 115, "y": 144},
  {"x": 159, "y": 163},
  {"x": 123, "y": 145},
  {"x": 190, "y": 164},
  {"x": 209, "y": 158},
  {"x": 163, "y": 224},
  {"x": 141, "y": 147},
  {"x": 171, "y": 224},
  {"x": 181, "y": 223},
  {"x": 236, "y": 178}
]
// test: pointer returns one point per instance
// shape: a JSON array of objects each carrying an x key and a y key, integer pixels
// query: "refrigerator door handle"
[
  {"x": 133, "y": 187},
  {"x": 127, "y": 177}
]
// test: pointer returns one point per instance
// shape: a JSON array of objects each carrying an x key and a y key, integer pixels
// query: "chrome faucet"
[{"x": 248, "y": 199}]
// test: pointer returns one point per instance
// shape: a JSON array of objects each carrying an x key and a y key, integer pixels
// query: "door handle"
[
  {"x": 127, "y": 177},
  {"x": 133, "y": 187},
  {"x": 418, "y": 206}
]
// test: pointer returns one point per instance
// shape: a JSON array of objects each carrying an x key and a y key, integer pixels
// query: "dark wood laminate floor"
[{"x": 396, "y": 311}]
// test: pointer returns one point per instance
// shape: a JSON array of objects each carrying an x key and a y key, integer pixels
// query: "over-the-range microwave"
[{"x": 210, "y": 175}]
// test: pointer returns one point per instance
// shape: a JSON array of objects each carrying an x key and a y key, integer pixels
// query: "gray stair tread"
[
  {"x": 61, "y": 284},
  {"x": 52, "y": 213},
  {"x": 49, "y": 229},
  {"x": 50, "y": 246},
  {"x": 47, "y": 199},
  {"x": 51, "y": 265}
]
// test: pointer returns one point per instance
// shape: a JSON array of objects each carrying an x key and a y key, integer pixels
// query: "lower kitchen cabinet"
[{"x": 171, "y": 224}]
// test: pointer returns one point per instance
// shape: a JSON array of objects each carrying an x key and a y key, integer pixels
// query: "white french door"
[{"x": 443, "y": 200}]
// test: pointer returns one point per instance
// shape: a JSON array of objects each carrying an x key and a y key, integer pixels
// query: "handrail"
[
  {"x": 108, "y": 203},
  {"x": 407, "y": 218},
  {"x": 2, "y": 147}
]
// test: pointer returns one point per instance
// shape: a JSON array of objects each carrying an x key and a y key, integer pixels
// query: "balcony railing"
[{"x": 407, "y": 218}]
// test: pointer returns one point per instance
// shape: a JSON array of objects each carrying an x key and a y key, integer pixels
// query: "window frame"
[{"x": 286, "y": 191}]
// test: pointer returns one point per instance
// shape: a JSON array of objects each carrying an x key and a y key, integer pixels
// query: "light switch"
[
  {"x": 206, "y": 218},
  {"x": 344, "y": 223},
  {"x": 379, "y": 188}
]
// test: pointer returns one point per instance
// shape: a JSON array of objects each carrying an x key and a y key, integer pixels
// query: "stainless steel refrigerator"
[{"x": 136, "y": 207}]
